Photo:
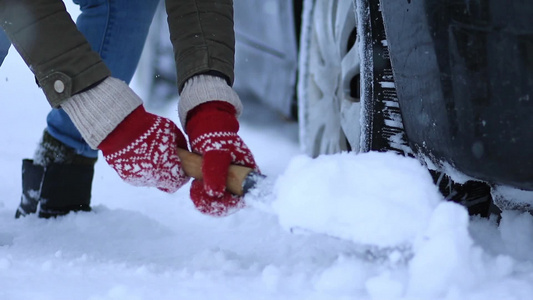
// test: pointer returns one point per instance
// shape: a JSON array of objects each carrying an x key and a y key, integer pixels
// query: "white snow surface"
[
  {"x": 352, "y": 196},
  {"x": 346, "y": 226}
]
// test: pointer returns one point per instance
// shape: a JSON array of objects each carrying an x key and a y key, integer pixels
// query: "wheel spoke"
[
  {"x": 323, "y": 28},
  {"x": 345, "y": 23},
  {"x": 321, "y": 72},
  {"x": 349, "y": 121},
  {"x": 350, "y": 67}
]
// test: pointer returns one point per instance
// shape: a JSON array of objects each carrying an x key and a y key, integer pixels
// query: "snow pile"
[
  {"x": 386, "y": 200},
  {"x": 381, "y": 199},
  {"x": 446, "y": 259}
]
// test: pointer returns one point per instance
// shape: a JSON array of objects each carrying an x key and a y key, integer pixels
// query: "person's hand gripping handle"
[{"x": 240, "y": 179}]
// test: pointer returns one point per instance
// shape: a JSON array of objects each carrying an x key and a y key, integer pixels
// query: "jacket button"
[{"x": 59, "y": 86}]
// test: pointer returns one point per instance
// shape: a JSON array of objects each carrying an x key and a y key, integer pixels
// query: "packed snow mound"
[{"x": 380, "y": 199}]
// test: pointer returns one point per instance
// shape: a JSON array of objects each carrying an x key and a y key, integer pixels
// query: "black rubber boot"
[
  {"x": 56, "y": 182},
  {"x": 32, "y": 176},
  {"x": 65, "y": 188}
]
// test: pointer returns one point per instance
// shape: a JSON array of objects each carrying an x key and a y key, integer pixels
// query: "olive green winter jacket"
[{"x": 43, "y": 33}]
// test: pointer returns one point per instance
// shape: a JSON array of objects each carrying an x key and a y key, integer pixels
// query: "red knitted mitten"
[
  {"x": 143, "y": 151},
  {"x": 212, "y": 128}
]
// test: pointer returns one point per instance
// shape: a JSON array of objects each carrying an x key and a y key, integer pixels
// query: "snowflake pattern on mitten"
[
  {"x": 212, "y": 132},
  {"x": 225, "y": 141},
  {"x": 151, "y": 158}
]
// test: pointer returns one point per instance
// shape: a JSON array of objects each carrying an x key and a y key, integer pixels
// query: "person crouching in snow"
[
  {"x": 59, "y": 177},
  {"x": 141, "y": 147}
]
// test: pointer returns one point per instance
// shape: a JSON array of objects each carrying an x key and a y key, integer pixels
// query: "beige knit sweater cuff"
[
  {"x": 204, "y": 88},
  {"x": 98, "y": 111}
]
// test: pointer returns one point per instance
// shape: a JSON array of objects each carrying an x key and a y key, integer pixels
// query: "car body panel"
[{"x": 266, "y": 52}]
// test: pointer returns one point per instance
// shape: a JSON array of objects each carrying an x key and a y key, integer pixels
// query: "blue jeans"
[{"x": 117, "y": 30}]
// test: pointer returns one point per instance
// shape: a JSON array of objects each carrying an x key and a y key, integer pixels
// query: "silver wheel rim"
[{"x": 329, "y": 105}]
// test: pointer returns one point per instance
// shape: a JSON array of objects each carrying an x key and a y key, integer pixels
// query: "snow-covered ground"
[{"x": 368, "y": 226}]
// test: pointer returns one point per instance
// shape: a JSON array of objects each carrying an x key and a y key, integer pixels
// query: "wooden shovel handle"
[{"x": 192, "y": 165}]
